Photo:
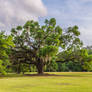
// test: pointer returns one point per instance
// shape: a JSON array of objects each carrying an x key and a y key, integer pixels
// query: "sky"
[{"x": 67, "y": 13}]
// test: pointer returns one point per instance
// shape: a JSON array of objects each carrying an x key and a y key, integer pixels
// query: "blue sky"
[
  {"x": 67, "y": 13},
  {"x": 70, "y": 13}
]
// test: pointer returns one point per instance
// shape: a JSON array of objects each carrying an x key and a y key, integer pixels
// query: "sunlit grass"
[{"x": 67, "y": 82}]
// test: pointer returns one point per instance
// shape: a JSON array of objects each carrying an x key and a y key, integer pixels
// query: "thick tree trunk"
[
  {"x": 40, "y": 67},
  {"x": 30, "y": 67},
  {"x": 18, "y": 69}
]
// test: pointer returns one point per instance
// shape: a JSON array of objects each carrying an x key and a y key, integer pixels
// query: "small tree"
[
  {"x": 5, "y": 45},
  {"x": 88, "y": 63}
]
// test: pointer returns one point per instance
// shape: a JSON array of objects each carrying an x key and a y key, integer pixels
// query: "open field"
[{"x": 65, "y": 82}]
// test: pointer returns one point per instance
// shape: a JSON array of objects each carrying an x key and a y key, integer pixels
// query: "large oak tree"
[{"x": 37, "y": 44}]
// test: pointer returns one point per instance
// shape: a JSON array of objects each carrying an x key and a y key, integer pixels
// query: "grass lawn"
[{"x": 66, "y": 82}]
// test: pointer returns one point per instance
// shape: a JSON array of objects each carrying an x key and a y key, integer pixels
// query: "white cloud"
[{"x": 13, "y": 12}]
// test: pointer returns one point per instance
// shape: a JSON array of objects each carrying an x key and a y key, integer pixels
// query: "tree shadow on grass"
[
  {"x": 56, "y": 75},
  {"x": 44, "y": 75}
]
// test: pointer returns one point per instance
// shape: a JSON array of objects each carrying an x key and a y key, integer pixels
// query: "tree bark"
[
  {"x": 18, "y": 69},
  {"x": 40, "y": 67},
  {"x": 30, "y": 67}
]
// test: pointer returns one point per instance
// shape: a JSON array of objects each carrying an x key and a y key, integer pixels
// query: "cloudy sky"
[{"x": 66, "y": 12}]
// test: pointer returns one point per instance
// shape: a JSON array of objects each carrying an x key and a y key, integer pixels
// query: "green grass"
[{"x": 66, "y": 82}]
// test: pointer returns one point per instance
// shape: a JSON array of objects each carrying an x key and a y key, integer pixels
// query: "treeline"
[
  {"x": 49, "y": 48},
  {"x": 75, "y": 65}
]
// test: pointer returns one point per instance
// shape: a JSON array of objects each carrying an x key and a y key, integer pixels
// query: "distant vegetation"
[{"x": 48, "y": 48}]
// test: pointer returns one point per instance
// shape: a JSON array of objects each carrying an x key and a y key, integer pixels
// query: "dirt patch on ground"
[{"x": 63, "y": 84}]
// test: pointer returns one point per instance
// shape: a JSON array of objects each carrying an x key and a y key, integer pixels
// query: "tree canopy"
[{"x": 35, "y": 44}]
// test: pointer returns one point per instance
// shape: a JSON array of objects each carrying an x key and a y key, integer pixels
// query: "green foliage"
[
  {"x": 88, "y": 66},
  {"x": 63, "y": 67},
  {"x": 32, "y": 44},
  {"x": 52, "y": 66},
  {"x": 69, "y": 66},
  {"x": 78, "y": 55},
  {"x": 37, "y": 43},
  {"x": 33, "y": 68},
  {"x": 70, "y": 39},
  {"x": 73, "y": 60},
  {"x": 88, "y": 63},
  {"x": 2, "y": 68},
  {"x": 5, "y": 45},
  {"x": 24, "y": 68},
  {"x": 48, "y": 51},
  {"x": 74, "y": 66}
]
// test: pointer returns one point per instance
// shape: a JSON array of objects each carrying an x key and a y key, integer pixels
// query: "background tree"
[
  {"x": 71, "y": 44},
  {"x": 88, "y": 63},
  {"x": 5, "y": 45},
  {"x": 71, "y": 50},
  {"x": 70, "y": 39}
]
